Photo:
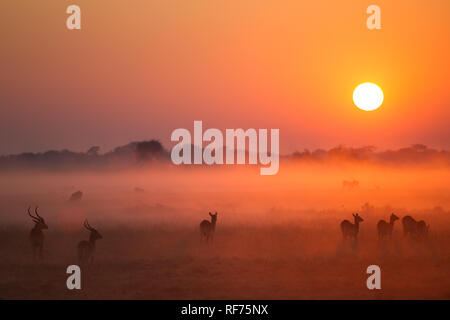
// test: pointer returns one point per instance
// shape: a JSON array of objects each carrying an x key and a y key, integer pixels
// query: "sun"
[{"x": 368, "y": 96}]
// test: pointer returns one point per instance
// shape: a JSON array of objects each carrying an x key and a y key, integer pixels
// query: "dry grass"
[{"x": 244, "y": 262}]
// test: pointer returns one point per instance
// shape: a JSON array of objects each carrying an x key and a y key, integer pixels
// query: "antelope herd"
[
  {"x": 85, "y": 248},
  {"x": 412, "y": 229}
]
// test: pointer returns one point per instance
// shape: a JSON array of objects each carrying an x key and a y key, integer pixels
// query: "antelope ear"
[
  {"x": 353, "y": 214},
  {"x": 210, "y": 214}
]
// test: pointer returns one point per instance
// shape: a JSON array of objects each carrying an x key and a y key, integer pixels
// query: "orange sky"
[{"x": 139, "y": 69}]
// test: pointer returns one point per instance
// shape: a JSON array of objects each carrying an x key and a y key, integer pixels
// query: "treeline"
[
  {"x": 144, "y": 153},
  {"x": 133, "y": 154},
  {"x": 413, "y": 155}
]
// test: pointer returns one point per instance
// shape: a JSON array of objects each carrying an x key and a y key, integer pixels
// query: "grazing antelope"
[
  {"x": 350, "y": 230},
  {"x": 86, "y": 248},
  {"x": 409, "y": 225},
  {"x": 36, "y": 234},
  {"x": 207, "y": 228},
  {"x": 422, "y": 229},
  {"x": 385, "y": 229},
  {"x": 414, "y": 229}
]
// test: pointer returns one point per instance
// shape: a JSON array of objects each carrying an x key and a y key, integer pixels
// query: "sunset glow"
[{"x": 253, "y": 150}]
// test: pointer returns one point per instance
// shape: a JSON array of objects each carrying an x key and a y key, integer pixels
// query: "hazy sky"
[{"x": 139, "y": 69}]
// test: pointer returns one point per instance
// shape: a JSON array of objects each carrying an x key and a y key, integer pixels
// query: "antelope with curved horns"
[
  {"x": 36, "y": 234},
  {"x": 208, "y": 228},
  {"x": 86, "y": 248}
]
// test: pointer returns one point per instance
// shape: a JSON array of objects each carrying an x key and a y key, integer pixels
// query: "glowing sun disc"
[{"x": 368, "y": 96}]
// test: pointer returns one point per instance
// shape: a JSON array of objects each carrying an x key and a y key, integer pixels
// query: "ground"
[{"x": 251, "y": 262}]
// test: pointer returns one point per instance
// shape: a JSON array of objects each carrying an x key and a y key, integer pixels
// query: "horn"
[
  {"x": 87, "y": 222},
  {"x": 32, "y": 217},
  {"x": 35, "y": 211},
  {"x": 86, "y": 225}
]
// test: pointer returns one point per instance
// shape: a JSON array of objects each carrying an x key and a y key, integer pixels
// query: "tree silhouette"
[{"x": 148, "y": 150}]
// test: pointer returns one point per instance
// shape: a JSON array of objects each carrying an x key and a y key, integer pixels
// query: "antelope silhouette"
[
  {"x": 350, "y": 230},
  {"x": 86, "y": 249},
  {"x": 36, "y": 234},
  {"x": 385, "y": 229},
  {"x": 414, "y": 229},
  {"x": 207, "y": 228}
]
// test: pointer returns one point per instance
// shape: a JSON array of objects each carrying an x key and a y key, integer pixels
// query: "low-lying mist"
[
  {"x": 277, "y": 237},
  {"x": 183, "y": 195}
]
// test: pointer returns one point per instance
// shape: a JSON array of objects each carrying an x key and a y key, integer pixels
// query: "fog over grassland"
[
  {"x": 276, "y": 236},
  {"x": 138, "y": 182}
]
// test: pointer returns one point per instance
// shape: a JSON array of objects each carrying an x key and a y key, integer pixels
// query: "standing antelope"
[
  {"x": 350, "y": 230},
  {"x": 36, "y": 234},
  {"x": 207, "y": 228},
  {"x": 409, "y": 225},
  {"x": 385, "y": 229},
  {"x": 414, "y": 229},
  {"x": 86, "y": 248}
]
